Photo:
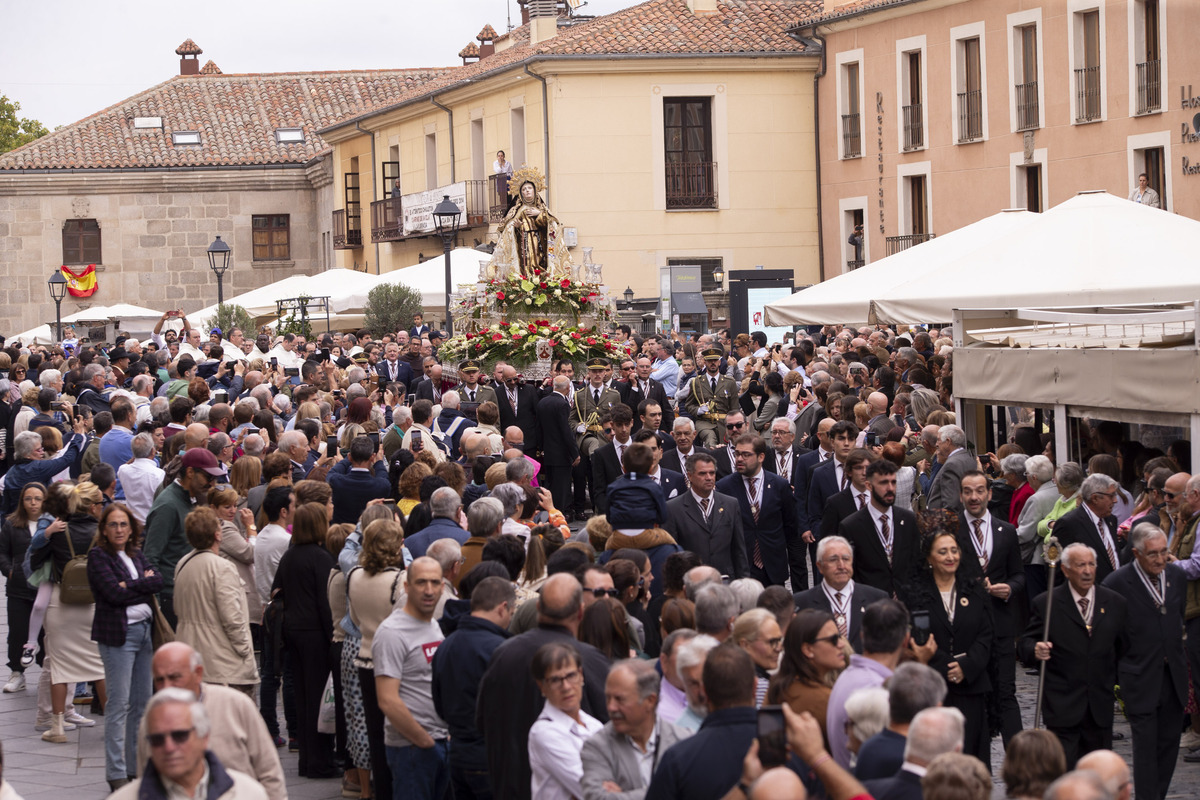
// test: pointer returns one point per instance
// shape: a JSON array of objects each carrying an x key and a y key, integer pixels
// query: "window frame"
[
  {"x": 960, "y": 79},
  {"x": 846, "y": 91},
  {"x": 906, "y": 82},
  {"x": 83, "y": 249},
  {"x": 1136, "y": 27},
  {"x": 1016, "y": 21},
  {"x": 1077, "y": 57},
  {"x": 706, "y": 128},
  {"x": 271, "y": 229}
]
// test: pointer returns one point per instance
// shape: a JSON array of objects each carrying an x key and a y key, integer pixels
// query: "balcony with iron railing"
[
  {"x": 914, "y": 127},
  {"x": 896, "y": 244},
  {"x": 970, "y": 115},
  {"x": 387, "y": 220},
  {"x": 1028, "y": 117},
  {"x": 347, "y": 231},
  {"x": 851, "y": 135},
  {"x": 497, "y": 197},
  {"x": 691, "y": 185},
  {"x": 854, "y": 264},
  {"x": 1149, "y": 87},
  {"x": 1087, "y": 94}
]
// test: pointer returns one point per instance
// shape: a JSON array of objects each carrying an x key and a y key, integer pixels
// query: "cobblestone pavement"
[{"x": 41, "y": 769}]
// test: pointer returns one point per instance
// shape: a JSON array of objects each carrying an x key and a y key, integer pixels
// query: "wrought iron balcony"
[
  {"x": 387, "y": 220},
  {"x": 896, "y": 244},
  {"x": 347, "y": 230},
  {"x": 1087, "y": 94},
  {"x": 914, "y": 127},
  {"x": 691, "y": 184},
  {"x": 851, "y": 135},
  {"x": 1149, "y": 81},
  {"x": 970, "y": 115},
  {"x": 1028, "y": 117}
]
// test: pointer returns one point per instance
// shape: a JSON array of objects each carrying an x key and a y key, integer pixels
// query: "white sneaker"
[
  {"x": 1190, "y": 740},
  {"x": 43, "y": 724},
  {"x": 73, "y": 717},
  {"x": 16, "y": 683}
]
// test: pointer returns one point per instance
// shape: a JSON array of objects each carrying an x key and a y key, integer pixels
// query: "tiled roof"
[
  {"x": 470, "y": 51},
  {"x": 210, "y": 68},
  {"x": 487, "y": 34},
  {"x": 236, "y": 115},
  {"x": 188, "y": 48},
  {"x": 847, "y": 9},
  {"x": 656, "y": 27}
]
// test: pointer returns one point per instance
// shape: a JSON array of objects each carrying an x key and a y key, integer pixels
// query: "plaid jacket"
[{"x": 105, "y": 573}]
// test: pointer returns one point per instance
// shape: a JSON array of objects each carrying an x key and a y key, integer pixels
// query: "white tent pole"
[{"x": 1062, "y": 450}]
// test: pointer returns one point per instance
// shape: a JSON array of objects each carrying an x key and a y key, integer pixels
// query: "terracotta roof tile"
[
  {"x": 470, "y": 51},
  {"x": 188, "y": 48},
  {"x": 846, "y": 9},
  {"x": 487, "y": 34},
  {"x": 210, "y": 68},
  {"x": 236, "y": 115}
]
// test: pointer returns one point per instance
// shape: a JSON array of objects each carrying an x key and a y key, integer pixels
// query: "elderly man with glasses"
[{"x": 1092, "y": 522}]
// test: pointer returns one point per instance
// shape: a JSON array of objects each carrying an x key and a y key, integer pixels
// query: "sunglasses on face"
[
  {"x": 733, "y": 426},
  {"x": 178, "y": 737},
  {"x": 601, "y": 593},
  {"x": 831, "y": 640}
]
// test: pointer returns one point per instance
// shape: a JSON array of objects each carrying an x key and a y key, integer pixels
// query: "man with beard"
[{"x": 884, "y": 538}]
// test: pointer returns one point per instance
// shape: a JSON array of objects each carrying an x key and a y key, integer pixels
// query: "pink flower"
[{"x": 499, "y": 295}]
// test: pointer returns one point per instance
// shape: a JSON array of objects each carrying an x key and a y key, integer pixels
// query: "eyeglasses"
[
  {"x": 1166, "y": 494},
  {"x": 775, "y": 643},
  {"x": 557, "y": 681},
  {"x": 831, "y": 639},
  {"x": 733, "y": 426},
  {"x": 599, "y": 593},
  {"x": 178, "y": 737}
]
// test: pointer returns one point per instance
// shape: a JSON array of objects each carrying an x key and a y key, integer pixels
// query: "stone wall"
[{"x": 155, "y": 231}]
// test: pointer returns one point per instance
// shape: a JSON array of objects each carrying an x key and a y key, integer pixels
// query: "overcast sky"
[{"x": 66, "y": 59}]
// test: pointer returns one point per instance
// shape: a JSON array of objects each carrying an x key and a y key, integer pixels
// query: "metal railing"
[
  {"x": 691, "y": 184},
  {"x": 896, "y": 244},
  {"x": 1028, "y": 117},
  {"x": 853, "y": 264},
  {"x": 387, "y": 220},
  {"x": 970, "y": 115},
  {"x": 914, "y": 128},
  {"x": 497, "y": 193},
  {"x": 344, "y": 237},
  {"x": 851, "y": 135},
  {"x": 1087, "y": 94},
  {"x": 1149, "y": 86}
]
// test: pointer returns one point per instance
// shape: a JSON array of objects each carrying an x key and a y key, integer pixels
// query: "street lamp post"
[
  {"x": 447, "y": 216},
  {"x": 58, "y": 290},
  {"x": 628, "y": 295},
  {"x": 218, "y": 261}
]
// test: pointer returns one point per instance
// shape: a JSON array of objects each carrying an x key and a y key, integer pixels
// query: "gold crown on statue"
[{"x": 526, "y": 173}]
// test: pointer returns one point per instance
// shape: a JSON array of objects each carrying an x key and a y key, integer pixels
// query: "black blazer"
[
  {"x": 672, "y": 482},
  {"x": 970, "y": 637},
  {"x": 424, "y": 390},
  {"x": 633, "y": 397},
  {"x": 770, "y": 465},
  {"x": 402, "y": 373},
  {"x": 1082, "y": 669},
  {"x": 870, "y": 559},
  {"x": 863, "y": 596},
  {"x": 724, "y": 464},
  {"x": 1077, "y": 526},
  {"x": 1004, "y": 566},
  {"x": 838, "y": 508},
  {"x": 670, "y": 459},
  {"x": 553, "y": 430},
  {"x": 776, "y": 522},
  {"x": 1154, "y": 639},
  {"x": 720, "y": 541},
  {"x": 904, "y": 785},
  {"x": 805, "y": 466},
  {"x": 605, "y": 469},
  {"x": 525, "y": 417},
  {"x": 822, "y": 485}
]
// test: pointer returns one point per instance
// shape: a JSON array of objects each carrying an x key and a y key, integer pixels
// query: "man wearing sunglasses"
[
  {"x": 177, "y": 729},
  {"x": 735, "y": 426},
  {"x": 165, "y": 539}
]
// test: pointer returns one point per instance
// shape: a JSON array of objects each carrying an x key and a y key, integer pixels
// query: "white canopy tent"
[
  {"x": 848, "y": 298},
  {"x": 429, "y": 278},
  {"x": 136, "y": 320}
]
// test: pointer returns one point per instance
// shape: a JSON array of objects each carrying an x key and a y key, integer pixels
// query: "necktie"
[
  {"x": 1104, "y": 537},
  {"x": 983, "y": 556},
  {"x": 512, "y": 399},
  {"x": 620, "y": 453},
  {"x": 713, "y": 381},
  {"x": 862, "y": 499},
  {"x": 472, "y": 394},
  {"x": 704, "y": 504},
  {"x": 645, "y": 390},
  {"x": 843, "y": 483},
  {"x": 1083, "y": 607},
  {"x": 596, "y": 396},
  {"x": 843, "y": 622},
  {"x": 752, "y": 493},
  {"x": 886, "y": 534}
]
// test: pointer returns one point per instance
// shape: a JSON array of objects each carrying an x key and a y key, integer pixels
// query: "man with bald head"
[
  {"x": 239, "y": 736},
  {"x": 509, "y": 699},
  {"x": 1112, "y": 769},
  {"x": 880, "y": 422},
  {"x": 1082, "y": 784}
]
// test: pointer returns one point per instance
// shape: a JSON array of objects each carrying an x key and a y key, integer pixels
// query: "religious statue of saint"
[{"x": 529, "y": 221}]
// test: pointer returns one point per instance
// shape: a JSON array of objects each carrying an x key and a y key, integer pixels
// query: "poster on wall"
[
  {"x": 418, "y": 206},
  {"x": 756, "y": 300}
]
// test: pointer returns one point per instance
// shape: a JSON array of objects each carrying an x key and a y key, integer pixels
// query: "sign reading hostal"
[{"x": 418, "y": 207}]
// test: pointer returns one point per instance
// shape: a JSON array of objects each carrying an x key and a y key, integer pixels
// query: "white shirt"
[
  {"x": 758, "y": 481},
  {"x": 1091, "y": 598},
  {"x": 272, "y": 543},
  {"x": 986, "y": 519},
  {"x": 140, "y": 479},
  {"x": 699, "y": 502},
  {"x": 555, "y": 741},
  {"x": 285, "y": 358},
  {"x": 645, "y": 759}
]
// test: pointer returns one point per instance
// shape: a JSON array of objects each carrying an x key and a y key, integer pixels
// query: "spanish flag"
[{"x": 83, "y": 283}]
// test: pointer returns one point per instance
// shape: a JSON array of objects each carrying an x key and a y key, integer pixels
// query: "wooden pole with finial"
[{"x": 1053, "y": 552}]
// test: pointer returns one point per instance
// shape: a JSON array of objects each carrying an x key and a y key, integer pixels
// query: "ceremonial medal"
[
  {"x": 983, "y": 561},
  {"x": 963, "y": 602},
  {"x": 840, "y": 619},
  {"x": 1162, "y": 610}
]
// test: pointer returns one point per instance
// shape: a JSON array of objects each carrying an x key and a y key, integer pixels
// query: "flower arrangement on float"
[
  {"x": 552, "y": 297},
  {"x": 516, "y": 341}
]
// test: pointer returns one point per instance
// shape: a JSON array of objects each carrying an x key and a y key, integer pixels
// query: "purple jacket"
[{"x": 105, "y": 573}]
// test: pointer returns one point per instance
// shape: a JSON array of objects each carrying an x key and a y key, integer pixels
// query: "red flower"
[
  {"x": 590, "y": 340},
  {"x": 583, "y": 299},
  {"x": 499, "y": 295},
  {"x": 533, "y": 328},
  {"x": 574, "y": 334},
  {"x": 497, "y": 337},
  {"x": 566, "y": 282},
  {"x": 470, "y": 336},
  {"x": 479, "y": 345},
  {"x": 516, "y": 336},
  {"x": 554, "y": 329},
  {"x": 542, "y": 285}
]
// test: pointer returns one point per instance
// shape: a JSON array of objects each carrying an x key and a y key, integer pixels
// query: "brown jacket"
[
  {"x": 1182, "y": 547},
  {"x": 210, "y": 602}
]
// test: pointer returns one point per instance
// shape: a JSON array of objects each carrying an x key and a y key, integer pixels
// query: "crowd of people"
[{"x": 714, "y": 567}]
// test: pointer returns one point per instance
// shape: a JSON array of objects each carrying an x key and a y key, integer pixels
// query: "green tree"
[
  {"x": 390, "y": 307},
  {"x": 15, "y": 131},
  {"x": 230, "y": 316}
]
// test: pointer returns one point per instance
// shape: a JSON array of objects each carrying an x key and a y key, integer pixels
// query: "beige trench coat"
[{"x": 210, "y": 603}]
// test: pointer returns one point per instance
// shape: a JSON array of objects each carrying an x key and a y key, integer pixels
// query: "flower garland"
[
  {"x": 517, "y": 341},
  {"x": 552, "y": 297}
]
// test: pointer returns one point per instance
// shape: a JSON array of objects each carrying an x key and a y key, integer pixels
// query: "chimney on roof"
[
  {"x": 469, "y": 53},
  {"x": 487, "y": 39},
  {"x": 702, "y": 7},
  {"x": 543, "y": 19},
  {"x": 188, "y": 52}
]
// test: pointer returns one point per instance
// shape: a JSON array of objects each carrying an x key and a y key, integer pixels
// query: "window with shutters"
[
  {"x": 271, "y": 237},
  {"x": 690, "y": 171},
  {"x": 81, "y": 241},
  {"x": 969, "y": 88}
]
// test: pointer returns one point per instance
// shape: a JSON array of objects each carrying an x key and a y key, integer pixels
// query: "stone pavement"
[{"x": 44, "y": 770}]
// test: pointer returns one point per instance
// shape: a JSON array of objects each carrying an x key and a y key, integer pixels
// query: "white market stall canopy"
[
  {"x": 1094, "y": 249},
  {"x": 136, "y": 320}
]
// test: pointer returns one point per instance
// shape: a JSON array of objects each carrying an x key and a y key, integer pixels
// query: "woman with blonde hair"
[
  {"x": 409, "y": 486},
  {"x": 757, "y": 632},
  {"x": 238, "y": 534},
  {"x": 245, "y": 474}
]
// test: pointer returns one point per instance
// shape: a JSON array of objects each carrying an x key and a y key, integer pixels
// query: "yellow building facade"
[{"x": 673, "y": 153}]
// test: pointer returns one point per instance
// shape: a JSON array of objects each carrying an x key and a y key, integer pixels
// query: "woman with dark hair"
[
  {"x": 302, "y": 579},
  {"x": 1034, "y": 760},
  {"x": 124, "y": 586},
  {"x": 264, "y": 420},
  {"x": 605, "y": 627},
  {"x": 960, "y": 621},
  {"x": 773, "y": 405},
  {"x": 509, "y": 551},
  {"x": 16, "y": 531},
  {"x": 677, "y": 613},
  {"x": 359, "y": 412},
  {"x": 813, "y": 656}
]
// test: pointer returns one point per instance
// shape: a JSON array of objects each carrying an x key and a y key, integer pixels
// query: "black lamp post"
[
  {"x": 447, "y": 216},
  {"x": 218, "y": 261},
  {"x": 628, "y": 295},
  {"x": 58, "y": 290},
  {"x": 719, "y": 277}
]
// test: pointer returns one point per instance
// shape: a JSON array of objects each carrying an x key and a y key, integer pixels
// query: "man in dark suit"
[
  {"x": 709, "y": 523},
  {"x": 783, "y": 459},
  {"x": 684, "y": 434},
  {"x": 606, "y": 460},
  {"x": 642, "y": 387},
  {"x": 855, "y": 496},
  {"x": 561, "y": 452},
  {"x": 768, "y": 510},
  {"x": 1087, "y": 640},
  {"x": 956, "y": 462},
  {"x": 671, "y": 483},
  {"x": 1152, "y": 672},
  {"x": 392, "y": 368},
  {"x": 885, "y": 538},
  {"x": 517, "y": 404},
  {"x": 831, "y": 477},
  {"x": 432, "y": 388},
  {"x": 735, "y": 426},
  {"x": 838, "y": 593},
  {"x": 880, "y": 422},
  {"x": 1092, "y": 522},
  {"x": 805, "y": 465},
  {"x": 990, "y": 550},
  {"x": 933, "y": 732},
  {"x": 355, "y": 483}
]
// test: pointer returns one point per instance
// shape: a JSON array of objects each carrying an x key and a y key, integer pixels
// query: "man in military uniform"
[
  {"x": 470, "y": 390},
  {"x": 591, "y": 402},
  {"x": 709, "y": 398}
]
